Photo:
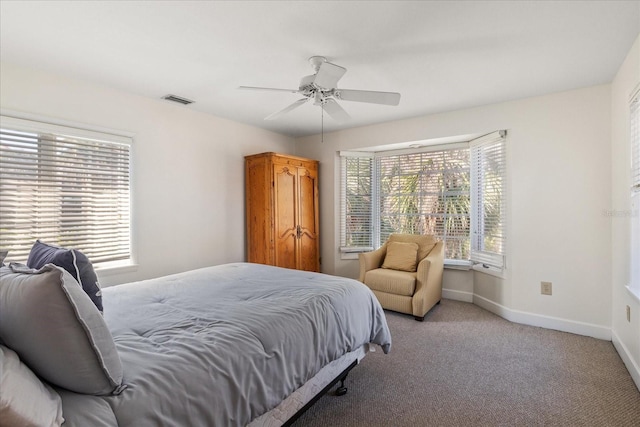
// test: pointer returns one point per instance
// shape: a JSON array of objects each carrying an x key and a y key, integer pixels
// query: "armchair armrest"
[
  {"x": 429, "y": 281},
  {"x": 371, "y": 260}
]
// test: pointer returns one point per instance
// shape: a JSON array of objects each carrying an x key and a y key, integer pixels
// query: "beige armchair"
[{"x": 405, "y": 273}]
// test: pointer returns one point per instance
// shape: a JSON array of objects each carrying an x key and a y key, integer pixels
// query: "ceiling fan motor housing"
[{"x": 311, "y": 90}]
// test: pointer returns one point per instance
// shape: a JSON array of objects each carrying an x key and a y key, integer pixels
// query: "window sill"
[
  {"x": 635, "y": 293},
  {"x": 456, "y": 264},
  {"x": 451, "y": 264},
  {"x": 491, "y": 271},
  {"x": 116, "y": 267},
  {"x": 352, "y": 252}
]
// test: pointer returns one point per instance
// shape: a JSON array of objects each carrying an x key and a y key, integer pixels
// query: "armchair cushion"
[
  {"x": 391, "y": 281},
  {"x": 401, "y": 256}
]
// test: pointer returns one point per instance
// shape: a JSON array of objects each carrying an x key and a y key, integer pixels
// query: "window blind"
[
  {"x": 356, "y": 205},
  {"x": 64, "y": 186},
  {"x": 635, "y": 190},
  {"x": 635, "y": 143},
  {"x": 488, "y": 181},
  {"x": 426, "y": 193}
]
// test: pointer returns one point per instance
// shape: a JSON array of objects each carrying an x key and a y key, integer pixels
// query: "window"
[
  {"x": 488, "y": 174},
  {"x": 65, "y": 186},
  {"x": 426, "y": 193},
  {"x": 357, "y": 201},
  {"x": 635, "y": 192},
  {"x": 453, "y": 192}
]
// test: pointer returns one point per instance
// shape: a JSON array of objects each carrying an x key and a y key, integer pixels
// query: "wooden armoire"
[{"x": 282, "y": 211}]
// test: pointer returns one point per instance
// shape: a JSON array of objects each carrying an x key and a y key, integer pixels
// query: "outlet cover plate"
[{"x": 545, "y": 288}]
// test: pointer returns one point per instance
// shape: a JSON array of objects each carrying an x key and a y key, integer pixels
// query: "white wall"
[
  {"x": 188, "y": 167},
  {"x": 626, "y": 335},
  {"x": 559, "y": 161}
]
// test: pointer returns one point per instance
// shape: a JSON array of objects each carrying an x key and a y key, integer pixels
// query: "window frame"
[
  {"x": 351, "y": 252},
  {"x": 488, "y": 149},
  {"x": 344, "y": 192},
  {"x": 634, "y": 185},
  {"x": 80, "y": 133},
  {"x": 496, "y": 268}
]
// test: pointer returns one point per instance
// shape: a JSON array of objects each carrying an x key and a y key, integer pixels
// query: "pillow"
[
  {"x": 56, "y": 330},
  {"x": 426, "y": 242},
  {"x": 401, "y": 256},
  {"x": 74, "y": 261},
  {"x": 24, "y": 399}
]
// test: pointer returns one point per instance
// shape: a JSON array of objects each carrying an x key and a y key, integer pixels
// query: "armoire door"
[
  {"x": 285, "y": 216},
  {"x": 308, "y": 234}
]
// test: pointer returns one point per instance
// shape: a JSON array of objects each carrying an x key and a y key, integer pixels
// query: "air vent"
[{"x": 178, "y": 99}]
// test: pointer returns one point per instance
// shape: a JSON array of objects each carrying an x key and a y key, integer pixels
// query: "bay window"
[{"x": 454, "y": 192}]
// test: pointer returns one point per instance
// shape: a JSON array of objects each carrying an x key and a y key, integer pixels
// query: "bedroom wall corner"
[{"x": 626, "y": 333}]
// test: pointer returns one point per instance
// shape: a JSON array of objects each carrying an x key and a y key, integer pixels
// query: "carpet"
[{"x": 464, "y": 366}]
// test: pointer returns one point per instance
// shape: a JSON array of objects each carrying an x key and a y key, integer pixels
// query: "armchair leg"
[{"x": 419, "y": 318}]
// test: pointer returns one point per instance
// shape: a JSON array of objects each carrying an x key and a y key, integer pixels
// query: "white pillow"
[{"x": 24, "y": 399}]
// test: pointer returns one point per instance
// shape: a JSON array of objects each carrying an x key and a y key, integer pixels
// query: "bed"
[{"x": 230, "y": 345}]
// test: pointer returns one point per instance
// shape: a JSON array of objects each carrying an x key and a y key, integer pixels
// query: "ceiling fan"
[{"x": 321, "y": 88}]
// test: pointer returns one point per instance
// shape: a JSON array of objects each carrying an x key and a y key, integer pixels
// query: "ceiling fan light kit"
[{"x": 322, "y": 88}]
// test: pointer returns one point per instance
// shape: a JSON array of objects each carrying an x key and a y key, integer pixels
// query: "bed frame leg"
[{"x": 342, "y": 390}]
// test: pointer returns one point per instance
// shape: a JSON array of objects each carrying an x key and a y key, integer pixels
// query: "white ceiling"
[{"x": 440, "y": 55}]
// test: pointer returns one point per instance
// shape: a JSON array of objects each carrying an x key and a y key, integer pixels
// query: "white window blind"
[
  {"x": 635, "y": 143},
  {"x": 488, "y": 181},
  {"x": 356, "y": 204},
  {"x": 64, "y": 186},
  {"x": 426, "y": 193},
  {"x": 635, "y": 191}
]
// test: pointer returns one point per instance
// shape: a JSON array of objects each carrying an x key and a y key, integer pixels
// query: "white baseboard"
[
  {"x": 548, "y": 322},
  {"x": 631, "y": 365},
  {"x": 457, "y": 295}
]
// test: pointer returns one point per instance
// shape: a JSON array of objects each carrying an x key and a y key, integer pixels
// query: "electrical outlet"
[
  {"x": 628, "y": 314},
  {"x": 545, "y": 288}
]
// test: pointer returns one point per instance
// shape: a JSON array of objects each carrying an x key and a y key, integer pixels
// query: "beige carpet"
[{"x": 464, "y": 366}]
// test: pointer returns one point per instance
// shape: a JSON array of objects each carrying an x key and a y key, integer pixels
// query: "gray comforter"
[{"x": 220, "y": 346}]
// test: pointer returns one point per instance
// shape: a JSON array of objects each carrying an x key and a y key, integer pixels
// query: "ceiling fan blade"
[
  {"x": 268, "y": 89},
  {"x": 373, "y": 97},
  {"x": 328, "y": 75},
  {"x": 285, "y": 110},
  {"x": 335, "y": 111}
]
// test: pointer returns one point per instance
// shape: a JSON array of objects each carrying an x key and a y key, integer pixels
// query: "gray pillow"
[{"x": 57, "y": 331}]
